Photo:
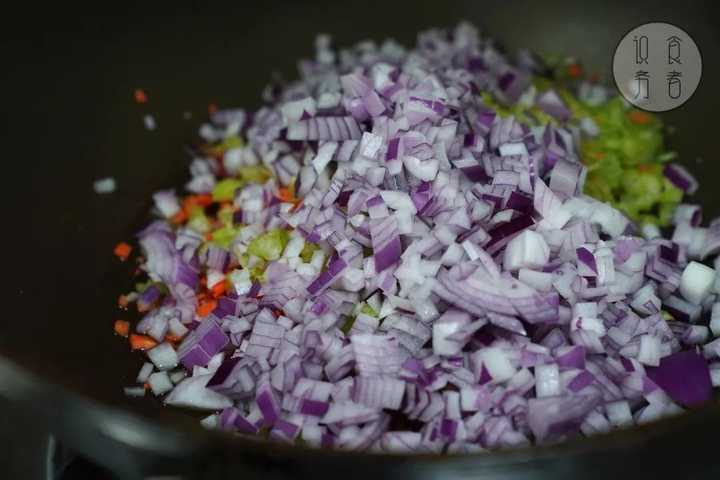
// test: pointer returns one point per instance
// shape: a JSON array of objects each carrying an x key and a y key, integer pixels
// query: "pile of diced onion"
[{"x": 491, "y": 304}]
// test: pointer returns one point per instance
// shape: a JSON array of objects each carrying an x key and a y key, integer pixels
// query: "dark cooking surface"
[
  {"x": 30, "y": 453},
  {"x": 71, "y": 83}
]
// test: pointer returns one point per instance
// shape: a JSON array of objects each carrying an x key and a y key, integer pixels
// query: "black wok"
[{"x": 69, "y": 77}]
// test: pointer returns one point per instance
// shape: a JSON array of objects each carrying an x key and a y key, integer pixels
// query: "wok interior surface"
[{"x": 73, "y": 73}]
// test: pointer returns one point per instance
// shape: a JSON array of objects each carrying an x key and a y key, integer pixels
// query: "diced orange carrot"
[
  {"x": 212, "y": 108},
  {"x": 123, "y": 302},
  {"x": 122, "y": 251},
  {"x": 296, "y": 206},
  {"x": 597, "y": 154},
  {"x": 641, "y": 118},
  {"x": 188, "y": 203},
  {"x": 180, "y": 217},
  {"x": 208, "y": 236},
  {"x": 141, "y": 342},
  {"x": 644, "y": 167},
  {"x": 218, "y": 289},
  {"x": 574, "y": 70},
  {"x": 140, "y": 96},
  {"x": 122, "y": 327},
  {"x": 204, "y": 199},
  {"x": 172, "y": 338},
  {"x": 285, "y": 194},
  {"x": 206, "y": 307},
  {"x": 200, "y": 200}
]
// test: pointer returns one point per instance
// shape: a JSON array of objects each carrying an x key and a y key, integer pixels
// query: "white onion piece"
[
  {"x": 240, "y": 280},
  {"x": 104, "y": 185},
  {"x": 370, "y": 145},
  {"x": 612, "y": 221},
  {"x": 160, "y": 383},
  {"x": 473, "y": 251},
  {"x": 448, "y": 323},
  {"x": 324, "y": 156},
  {"x": 192, "y": 393},
  {"x": 696, "y": 282},
  {"x": 134, "y": 391},
  {"x": 619, "y": 414},
  {"x": 177, "y": 376},
  {"x": 528, "y": 250},
  {"x": 650, "y": 231},
  {"x": 645, "y": 301},
  {"x": 550, "y": 206},
  {"x": 352, "y": 279},
  {"x": 176, "y": 327},
  {"x": 145, "y": 372},
  {"x": 649, "y": 414},
  {"x": 444, "y": 235},
  {"x": 233, "y": 160},
  {"x": 541, "y": 281},
  {"x": 211, "y": 422},
  {"x": 696, "y": 335},
  {"x": 404, "y": 222},
  {"x": 293, "y": 111},
  {"x": 697, "y": 242},
  {"x": 649, "y": 350},
  {"x": 166, "y": 202},
  {"x": 715, "y": 320},
  {"x": 509, "y": 149},
  {"x": 595, "y": 423},
  {"x": 686, "y": 213},
  {"x": 585, "y": 317},
  {"x": 497, "y": 363},
  {"x": 547, "y": 380},
  {"x": 329, "y": 99},
  {"x": 715, "y": 374},
  {"x": 163, "y": 356},
  {"x": 214, "y": 277},
  {"x": 398, "y": 200},
  {"x": 682, "y": 235},
  {"x": 453, "y": 254},
  {"x": 294, "y": 247}
]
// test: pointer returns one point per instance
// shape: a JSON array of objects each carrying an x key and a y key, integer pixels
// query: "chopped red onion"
[
  {"x": 201, "y": 344},
  {"x": 681, "y": 178},
  {"x": 685, "y": 377},
  {"x": 473, "y": 297},
  {"x": 551, "y": 103}
]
